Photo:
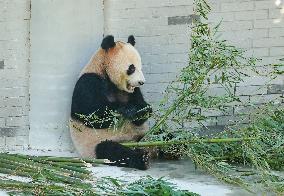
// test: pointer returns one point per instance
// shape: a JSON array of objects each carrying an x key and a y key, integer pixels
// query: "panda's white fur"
[
  {"x": 114, "y": 64},
  {"x": 85, "y": 139}
]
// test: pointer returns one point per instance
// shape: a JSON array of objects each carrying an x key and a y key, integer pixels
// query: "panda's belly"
[{"x": 85, "y": 139}]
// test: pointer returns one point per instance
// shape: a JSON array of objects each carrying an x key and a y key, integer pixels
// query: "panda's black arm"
[
  {"x": 137, "y": 110},
  {"x": 88, "y": 98}
]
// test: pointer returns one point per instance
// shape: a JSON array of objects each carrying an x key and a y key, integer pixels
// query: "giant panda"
[{"x": 109, "y": 85}]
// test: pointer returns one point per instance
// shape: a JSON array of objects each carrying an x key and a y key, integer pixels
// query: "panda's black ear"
[
  {"x": 131, "y": 40},
  {"x": 108, "y": 42}
]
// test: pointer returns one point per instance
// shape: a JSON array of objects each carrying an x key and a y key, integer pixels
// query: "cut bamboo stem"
[
  {"x": 176, "y": 142},
  {"x": 70, "y": 161},
  {"x": 37, "y": 188},
  {"x": 28, "y": 162}
]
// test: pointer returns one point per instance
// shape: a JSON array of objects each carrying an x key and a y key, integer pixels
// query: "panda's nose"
[{"x": 140, "y": 82}]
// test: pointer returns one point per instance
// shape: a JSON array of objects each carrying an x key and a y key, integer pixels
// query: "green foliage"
[
  {"x": 268, "y": 126},
  {"x": 116, "y": 120},
  {"x": 69, "y": 176},
  {"x": 44, "y": 175},
  {"x": 147, "y": 186},
  {"x": 248, "y": 163},
  {"x": 214, "y": 62}
]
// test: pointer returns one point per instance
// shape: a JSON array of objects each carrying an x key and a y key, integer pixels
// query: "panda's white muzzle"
[{"x": 136, "y": 80}]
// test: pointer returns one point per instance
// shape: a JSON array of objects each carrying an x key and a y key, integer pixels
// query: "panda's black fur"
[
  {"x": 131, "y": 40},
  {"x": 120, "y": 155},
  {"x": 108, "y": 42},
  {"x": 91, "y": 94}
]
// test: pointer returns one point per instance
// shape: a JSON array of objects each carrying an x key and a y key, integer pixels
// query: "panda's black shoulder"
[
  {"x": 89, "y": 87},
  {"x": 89, "y": 78},
  {"x": 90, "y": 82}
]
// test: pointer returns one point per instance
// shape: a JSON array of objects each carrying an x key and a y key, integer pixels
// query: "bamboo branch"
[
  {"x": 175, "y": 142},
  {"x": 179, "y": 100},
  {"x": 65, "y": 160},
  {"x": 37, "y": 188}
]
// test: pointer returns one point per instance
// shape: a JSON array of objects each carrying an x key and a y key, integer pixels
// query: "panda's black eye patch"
[{"x": 131, "y": 69}]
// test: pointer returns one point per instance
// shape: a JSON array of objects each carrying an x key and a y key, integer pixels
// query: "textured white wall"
[
  {"x": 14, "y": 55},
  {"x": 64, "y": 35}
]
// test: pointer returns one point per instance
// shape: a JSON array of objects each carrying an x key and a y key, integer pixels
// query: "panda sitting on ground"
[{"x": 110, "y": 82}]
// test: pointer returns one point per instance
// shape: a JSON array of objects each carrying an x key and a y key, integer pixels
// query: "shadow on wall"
[{"x": 61, "y": 44}]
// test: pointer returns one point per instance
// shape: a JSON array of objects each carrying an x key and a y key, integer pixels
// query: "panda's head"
[{"x": 122, "y": 63}]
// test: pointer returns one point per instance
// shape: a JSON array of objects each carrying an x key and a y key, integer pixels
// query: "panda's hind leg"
[{"x": 122, "y": 156}]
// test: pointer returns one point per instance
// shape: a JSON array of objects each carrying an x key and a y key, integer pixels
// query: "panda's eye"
[{"x": 131, "y": 69}]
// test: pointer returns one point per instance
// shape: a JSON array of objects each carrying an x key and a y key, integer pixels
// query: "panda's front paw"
[{"x": 140, "y": 160}]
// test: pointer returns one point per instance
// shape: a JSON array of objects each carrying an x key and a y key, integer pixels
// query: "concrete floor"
[{"x": 182, "y": 173}]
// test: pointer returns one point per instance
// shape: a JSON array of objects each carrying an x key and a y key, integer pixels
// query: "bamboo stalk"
[
  {"x": 66, "y": 167},
  {"x": 174, "y": 142},
  {"x": 15, "y": 186},
  {"x": 66, "y": 160},
  {"x": 81, "y": 171},
  {"x": 59, "y": 159},
  {"x": 52, "y": 173},
  {"x": 94, "y": 161},
  {"x": 193, "y": 88},
  {"x": 38, "y": 188},
  {"x": 14, "y": 172},
  {"x": 38, "y": 169},
  {"x": 21, "y": 161},
  {"x": 15, "y": 166},
  {"x": 73, "y": 167}
]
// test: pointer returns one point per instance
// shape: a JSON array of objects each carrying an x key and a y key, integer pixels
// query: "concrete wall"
[
  {"x": 64, "y": 34},
  {"x": 14, "y": 77}
]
